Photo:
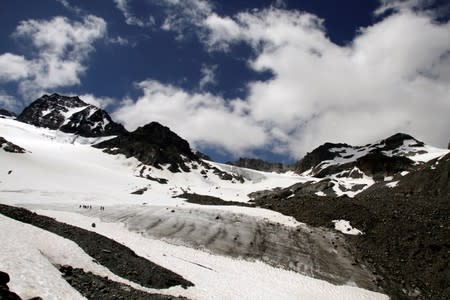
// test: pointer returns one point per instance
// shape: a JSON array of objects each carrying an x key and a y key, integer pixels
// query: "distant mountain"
[
  {"x": 6, "y": 113},
  {"x": 260, "y": 165},
  {"x": 70, "y": 115},
  {"x": 152, "y": 144},
  {"x": 384, "y": 158},
  {"x": 342, "y": 169}
]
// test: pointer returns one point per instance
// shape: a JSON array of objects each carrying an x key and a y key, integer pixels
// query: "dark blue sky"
[
  {"x": 151, "y": 53},
  {"x": 157, "y": 54}
]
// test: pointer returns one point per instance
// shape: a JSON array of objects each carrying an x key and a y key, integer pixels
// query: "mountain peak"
[
  {"x": 71, "y": 115},
  {"x": 152, "y": 144},
  {"x": 395, "y": 153}
]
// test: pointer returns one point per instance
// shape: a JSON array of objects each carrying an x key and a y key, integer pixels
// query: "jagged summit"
[
  {"x": 71, "y": 115},
  {"x": 152, "y": 144}
]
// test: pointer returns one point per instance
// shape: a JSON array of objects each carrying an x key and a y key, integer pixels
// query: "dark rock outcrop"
[
  {"x": 71, "y": 115},
  {"x": 202, "y": 155},
  {"x": 154, "y": 145},
  {"x": 210, "y": 200},
  {"x": 5, "y": 293},
  {"x": 260, "y": 165},
  {"x": 384, "y": 158},
  {"x": 93, "y": 286},
  {"x": 10, "y": 147},
  {"x": 6, "y": 113},
  {"x": 405, "y": 228},
  {"x": 375, "y": 164},
  {"x": 317, "y": 156}
]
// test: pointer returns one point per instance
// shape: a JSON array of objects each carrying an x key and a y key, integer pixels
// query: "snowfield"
[{"x": 61, "y": 171}]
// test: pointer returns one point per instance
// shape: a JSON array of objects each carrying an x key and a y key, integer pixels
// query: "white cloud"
[
  {"x": 101, "y": 102},
  {"x": 186, "y": 15},
  {"x": 61, "y": 45},
  {"x": 70, "y": 7},
  {"x": 119, "y": 41},
  {"x": 201, "y": 118},
  {"x": 393, "y": 77},
  {"x": 208, "y": 76},
  {"x": 8, "y": 102},
  {"x": 402, "y": 5},
  {"x": 434, "y": 8},
  {"x": 130, "y": 18},
  {"x": 13, "y": 67}
]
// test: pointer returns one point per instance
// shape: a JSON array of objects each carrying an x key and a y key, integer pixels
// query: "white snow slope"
[{"x": 60, "y": 172}]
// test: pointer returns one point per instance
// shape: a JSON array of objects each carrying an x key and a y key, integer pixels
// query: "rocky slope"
[
  {"x": 154, "y": 145},
  {"x": 384, "y": 158},
  {"x": 71, "y": 115},
  {"x": 405, "y": 225}
]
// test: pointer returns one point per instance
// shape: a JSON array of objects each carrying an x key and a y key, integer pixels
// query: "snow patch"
[
  {"x": 392, "y": 184},
  {"x": 345, "y": 227}
]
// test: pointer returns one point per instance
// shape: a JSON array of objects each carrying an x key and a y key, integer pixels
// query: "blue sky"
[{"x": 271, "y": 79}]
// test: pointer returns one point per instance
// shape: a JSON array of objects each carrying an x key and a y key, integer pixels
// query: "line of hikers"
[{"x": 90, "y": 207}]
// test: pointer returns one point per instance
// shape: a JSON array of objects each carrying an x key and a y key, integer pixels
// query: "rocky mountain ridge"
[
  {"x": 153, "y": 144},
  {"x": 70, "y": 115},
  {"x": 382, "y": 158}
]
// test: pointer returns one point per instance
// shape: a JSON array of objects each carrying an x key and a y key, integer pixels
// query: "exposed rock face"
[
  {"x": 93, "y": 286},
  {"x": 318, "y": 155},
  {"x": 260, "y": 165},
  {"x": 384, "y": 158},
  {"x": 202, "y": 155},
  {"x": 5, "y": 293},
  {"x": 154, "y": 145},
  {"x": 10, "y": 147},
  {"x": 405, "y": 228},
  {"x": 6, "y": 113},
  {"x": 71, "y": 115}
]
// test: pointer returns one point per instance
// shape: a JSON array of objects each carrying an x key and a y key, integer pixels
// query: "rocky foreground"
[
  {"x": 406, "y": 228},
  {"x": 116, "y": 257}
]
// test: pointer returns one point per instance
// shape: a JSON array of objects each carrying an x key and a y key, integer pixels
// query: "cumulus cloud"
[
  {"x": 185, "y": 15},
  {"x": 208, "y": 76},
  {"x": 61, "y": 48},
  {"x": 393, "y": 77},
  {"x": 101, "y": 102},
  {"x": 201, "y": 118},
  {"x": 13, "y": 67},
  {"x": 8, "y": 102},
  {"x": 130, "y": 18}
]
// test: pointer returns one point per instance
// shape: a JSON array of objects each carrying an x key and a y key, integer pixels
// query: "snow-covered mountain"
[
  {"x": 60, "y": 174},
  {"x": 200, "y": 219},
  {"x": 383, "y": 158},
  {"x": 71, "y": 115}
]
